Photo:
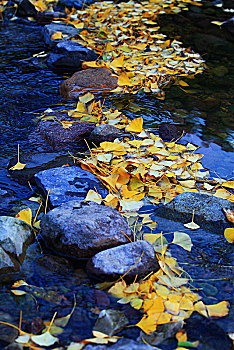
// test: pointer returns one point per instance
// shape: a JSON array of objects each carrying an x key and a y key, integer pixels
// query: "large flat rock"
[
  {"x": 81, "y": 229},
  {"x": 208, "y": 211},
  {"x": 67, "y": 183}
]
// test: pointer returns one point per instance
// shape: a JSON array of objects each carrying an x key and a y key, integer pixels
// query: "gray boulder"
[
  {"x": 208, "y": 210},
  {"x": 14, "y": 235},
  {"x": 66, "y": 184},
  {"x": 67, "y": 30},
  {"x": 163, "y": 332},
  {"x": 81, "y": 229},
  {"x": 112, "y": 263},
  {"x": 69, "y": 55},
  {"x": 103, "y": 132}
]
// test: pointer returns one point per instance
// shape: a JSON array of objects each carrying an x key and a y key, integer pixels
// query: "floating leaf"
[
  {"x": 183, "y": 240},
  {"x": 216, "y": 310},
  {"x": 229, "y": 234},
  {"x": 76, "y": 346},
  {"x": 192, "y": 226},
  {"x": 45, "y": 339},
  {"x": 18, "y": 292},
  {"x": 23, "y": 339},
  {"x": 135, "y": 125},
  {"x": 18, "y": 165}
]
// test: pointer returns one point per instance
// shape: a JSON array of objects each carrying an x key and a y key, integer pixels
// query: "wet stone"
[
  {"x": 69, "y": 55},
  {"x": 77, "y": 4},
  {"x": 91, "y": 79},
  {"x": 7, "y": 334},
  {"x": 169, "y": 132},
  {"x": 26, "y": 9},
  {"x": 208, "y": 211},
  {"x": 15, "y": 235},
  {"x": 162, "y": 333},
  {"x": 54, "y": 134},
  {"x": 110, "y": 322},
  {"x": 67, "y": 30},
  {"x": 81, "y": 229},
  {"x": 66, "y": 184},
  {"x": 122, "y": 344},
  {"x": 36, "y": 162},
  {"x": 112, "y": 263},
  {"x": 207, "y": 332},
  {"x": 102, "y": 133}
]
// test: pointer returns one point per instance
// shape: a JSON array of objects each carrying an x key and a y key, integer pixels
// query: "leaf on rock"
[
  {"x": 25, "y": 215},
  {"x": 18, "y": 166},
  {"x": 76, "y": 346},
  {"x": 23, "y": 339},
  {"x": 183, "y": 240},
  {"x": 86, "y": 98},
  {"x": 93, "y": 196}
]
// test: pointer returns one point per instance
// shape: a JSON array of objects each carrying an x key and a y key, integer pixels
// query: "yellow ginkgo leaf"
[
  {"x": 229, "y": 234},
  {"x": 118, "y": 289},
  {"x": 147, "y": 324},
  {"x": 86, "y": 98},
  {"x": 18, "y": 166},
  {"x": 18, "y": 292},
  {"x": 183, "y": 240},
  {"x": 192, "y": 226},
  {"x": 123, "y": 80},
  {"x": 25, "y": 215},
  {"x": 93, "y": 196},
  {"x": 118, "y": 62},
  {"x": 217, "y": 310},
  {"x": 45, "y": 339},
  {"x": 76, "y": 346},
  {"x": 57, "y": 35},
  {"x": 229, "y": 184},
  {"x": 23, "y": 339},
  {"x": 135, "y": 125}
]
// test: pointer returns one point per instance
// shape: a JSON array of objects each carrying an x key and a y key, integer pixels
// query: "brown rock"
[
  {"x": 55, "y": 135},
  {"x": 91, "y": 79}
]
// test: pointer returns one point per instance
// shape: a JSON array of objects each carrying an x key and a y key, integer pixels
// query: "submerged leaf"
[
  {"x": 45, "y": 339},
  {"x": 183, "y": 240},
  {"x": 229, "y": 234}
]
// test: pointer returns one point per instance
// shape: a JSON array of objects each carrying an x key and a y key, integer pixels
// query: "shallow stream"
[{"x": 204, "y": 112}]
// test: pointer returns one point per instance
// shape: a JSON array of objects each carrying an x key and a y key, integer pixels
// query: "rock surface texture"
[
  {"x": 110, "y": 322},
  {"x": 67, "y": 31},
  {"x": 81, "y": 229},
  {"x": 15, "y": 235},
  {"x": 112, "y": 263},
  {"x": 66, "y": 184},
  {"x": 91, "y": 79},
  {"x": 122, "y": 344},
  {"x": 53, "y": 132},
  {"x": 208, "y": 210},
  {"x": 69, "y": 55},
  {"x": 102, "y": 133}
]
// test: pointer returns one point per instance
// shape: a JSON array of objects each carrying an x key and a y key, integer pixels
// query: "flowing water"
[{"x": 204, "y": 112}]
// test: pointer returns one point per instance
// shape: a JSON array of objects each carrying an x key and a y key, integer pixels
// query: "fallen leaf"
[
  {"x": 229, "y": 234},
  {"x": 192, "y": 226},
  {"x": 136, "y": 125},
  {"x": 229, "y": 214},
  {"x": 25, "y": 215},
  {"x": 183, "y": 240},
  {"x": 45, "y": 339}
]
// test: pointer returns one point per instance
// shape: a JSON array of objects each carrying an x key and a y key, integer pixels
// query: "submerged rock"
[
  {"x": 69, "y": 55},
  {"x": 103, "y": 132},
  {"x": 7, "y": 334},
  {"x": 67, "y": 183},
  {"x": 91, "y": 79},
  {"x": 169, "y": 132},
  {"x": 81, "y": 229},
  {"x": 110, "y": 322},
  {"x": 112, "y": 263},
  {"x": 207, "y": 332},
  {"x": 122, "y": 344},
  {"x": 208, "y": 210},
  {"x": 163, "y": 332}
]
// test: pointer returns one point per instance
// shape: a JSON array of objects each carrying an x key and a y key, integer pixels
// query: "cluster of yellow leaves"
[
  {"x": 127, "y": 37},
  {"x": 164, "y": 297},
  {"x": 146, "y": 166}
]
